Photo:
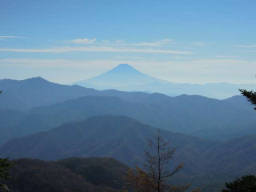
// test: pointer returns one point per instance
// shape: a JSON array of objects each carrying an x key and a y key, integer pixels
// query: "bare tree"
[{"x": 157, "y": 170}]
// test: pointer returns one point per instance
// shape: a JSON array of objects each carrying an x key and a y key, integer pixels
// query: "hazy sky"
[{"x": 65, "y": 41}]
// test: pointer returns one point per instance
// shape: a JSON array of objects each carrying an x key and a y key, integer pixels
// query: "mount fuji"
[
  {"x": 123, "y": 77},
  {"x": 126, "y": 78}
]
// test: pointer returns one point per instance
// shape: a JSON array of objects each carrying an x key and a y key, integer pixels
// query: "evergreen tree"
[
  {"x": 251, "y": 96},
  {"x": 5, "y": 165},
  {"x": 244, "y": 184}
]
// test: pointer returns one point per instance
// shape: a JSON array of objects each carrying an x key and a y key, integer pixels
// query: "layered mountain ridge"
[
  {"x": 35, "y": 105},
  {"x": 125, "y": 139},
  {"x": 214, "y": 138}
]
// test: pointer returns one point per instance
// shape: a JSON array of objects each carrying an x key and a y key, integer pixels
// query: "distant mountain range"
[
  {"x": 40, "y": 119},
  {"x": 34, "y": 92},
  {"x": 23, "y": 113},
  {"x": 126, "y": 78}
]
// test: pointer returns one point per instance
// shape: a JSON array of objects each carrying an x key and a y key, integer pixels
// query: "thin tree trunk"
[{"x": 159, "y": 165}]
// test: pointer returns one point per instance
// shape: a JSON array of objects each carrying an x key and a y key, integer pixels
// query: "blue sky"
[{"x": 195, "y": 41}]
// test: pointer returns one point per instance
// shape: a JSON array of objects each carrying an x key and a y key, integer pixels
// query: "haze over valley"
[
  {"x": 50, "y": 121},
  {"x": 127, "y": 96}
]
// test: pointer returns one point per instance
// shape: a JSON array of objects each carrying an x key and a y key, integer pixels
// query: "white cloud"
[
  {"x": 159, "y": 43},
  {"x": 8, "y": 37},
  {"x": 97, "y": 49},
  {"x": 83, "y": 41},
  {"x": 118, "y": 46},
  {"x": 192, "y": 71},
  {"x": 122, "y": 43},
  {"x": 225, "y": 56}
]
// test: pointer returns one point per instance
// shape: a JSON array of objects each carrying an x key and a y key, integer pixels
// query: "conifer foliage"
[
  {"x": 243, "y": 184},
  {"x": 5, "y": 165},
  {"x": 4, "y": 171},
  {"x": 250, "y": 95}
]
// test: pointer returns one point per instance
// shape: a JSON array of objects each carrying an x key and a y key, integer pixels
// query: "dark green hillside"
[
  {"x": 30, "y": 175},
  {"x": 105, "y": 172}
]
